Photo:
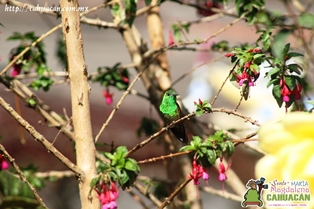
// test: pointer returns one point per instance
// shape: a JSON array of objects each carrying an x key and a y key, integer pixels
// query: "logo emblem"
[{"x": 254, "y": 193}]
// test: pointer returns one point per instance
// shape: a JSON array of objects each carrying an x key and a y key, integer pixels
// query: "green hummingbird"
[{"x": 172, "y": 112}]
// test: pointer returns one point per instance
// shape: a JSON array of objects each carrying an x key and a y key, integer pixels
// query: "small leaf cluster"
[
  {"x": 36, "y": 181},
  {"x": 212, "y": 148},
  {"x": 248, "y": 59},
  {"x": 177, "y": 30},
  {"x": 148, "y": 126},
  {"x": 202, "y": 107},
  {"x": 35, "y": 58},
  {"x": 250, "y": 8},
  {"x": 124, "y": 15},
  {"x": 121, "y": 169},
  {"x": 221, "y": 46},
  {"x": 16, "y": 193},
  {"x": 113, "y": 76},
  {"x": 283, "y": 74}
]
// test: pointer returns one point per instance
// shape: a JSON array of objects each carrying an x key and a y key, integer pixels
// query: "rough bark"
[{"x": 84, "y": 143}]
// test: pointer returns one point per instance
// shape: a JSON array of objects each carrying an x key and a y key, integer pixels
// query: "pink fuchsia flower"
[
  {"x": 108, "y": 96},
  {"x": 198, "y": 172},
  {"x": 170, "y": 39},
  {"x": 16, "y": 70},
  {"x": 209, "y": 5},
  {"x": 125, "y": 79},
  {"x": 3, "y": 163},
  {"x": 297, "y": 91},
  {"x": 230, "y": 54},
  {"x": 286, "y": 92},
  {"x": 108, "y": 196},
  {"x": 200, "y": 102},
  {"x": 222, "y": 173},
  {"x": 245, "y": 77}
]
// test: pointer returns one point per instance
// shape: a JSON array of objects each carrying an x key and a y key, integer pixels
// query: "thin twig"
[
  {"x": 246, "y": 119},
  {"x": 171, "y": 155},
  {"x": 162, "y": 49},
  {"x": 239, "y": 103},
  {"x": 29, "y": 47},
  {"x": 138, "y": 199},
  {"x": 143, "y": 143},
  {"x": 61, "y": 130},
  {"x": 115, "y": 109},
  {"x": 21, "y": 175},
  {"x": 220, "y": 89},
  {"x": 193, "y": 69},
  {"x": 126, "y": 92},
  {"x": 55, "y": 174},
  {"x": 38, "y": 137},
  {"x": 149, "y": 195},
  {"x": 175, "y": 192}
]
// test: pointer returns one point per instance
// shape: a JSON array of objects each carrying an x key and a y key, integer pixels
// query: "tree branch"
[
  {"x": 38, "y": 137},
  {"x": 21, "y": 175}
]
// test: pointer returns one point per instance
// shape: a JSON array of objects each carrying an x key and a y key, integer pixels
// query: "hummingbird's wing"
[{"x": 179, "y": 131}]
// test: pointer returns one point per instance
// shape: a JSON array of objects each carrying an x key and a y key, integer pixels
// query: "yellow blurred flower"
[{"x": 289, "y": 145}]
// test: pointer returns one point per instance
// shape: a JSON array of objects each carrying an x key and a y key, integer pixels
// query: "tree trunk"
[{"x": 84, "y": 143}]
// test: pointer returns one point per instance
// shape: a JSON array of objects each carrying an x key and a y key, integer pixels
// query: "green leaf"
[
  {"x": 230, "y": 147},
  {"x": 306, "y": 20},
  {"x": 277, "y": 91},
  {"x": 208, "y": 143},
  {"x": 294, "y": 54},
  {"x": 286, "y": 49},
  {"x": 115, "y": 10},
  {"x": 123, "y": 177},
  {"x": 130, "y": 11},
  {"x": 30, "y": 36},
  {"x": 94, "y": 181},
  {"x": 272, "y": 82},
  {"x": 295, "y": 68},
  {"x": 277, "y": 94},
  {"x": 273, "y": 71},
  {"x": 187, "y": 148},
  {"x": 121, "y": 151},
  {"x": 224, "y": 146},
  {"x": 186, "y": 27},
  {"x": 15, "y": 36},
  {"x": 108, "y": 155},
  {"x": 176, "y": 32},
  {"x": 148, "y": 2},
  {"x": 196, "y": 142},
  {"x": 31, "y": 102},
  {"x": 290, "y": 82},
  {"x": 211, "y": 156},
  {"x": 199, "y": 112},
  {"x": 131, "y": 165}
]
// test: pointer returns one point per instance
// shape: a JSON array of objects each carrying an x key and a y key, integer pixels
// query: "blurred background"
[{"x": 105, "y": 47}]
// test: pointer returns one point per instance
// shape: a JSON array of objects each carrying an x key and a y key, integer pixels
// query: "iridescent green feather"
[{"x": 172, "y": 112}]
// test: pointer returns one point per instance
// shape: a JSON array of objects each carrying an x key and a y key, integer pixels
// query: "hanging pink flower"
[
  {"x": 198, "y": 172},
  {"x": 222, "y": 173},
  {"x": 3, "y": 163},
  {"x": 170, "y": 39},
  {"x": 108, "y": 96},
  {"x": 108, "y": 196}
]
